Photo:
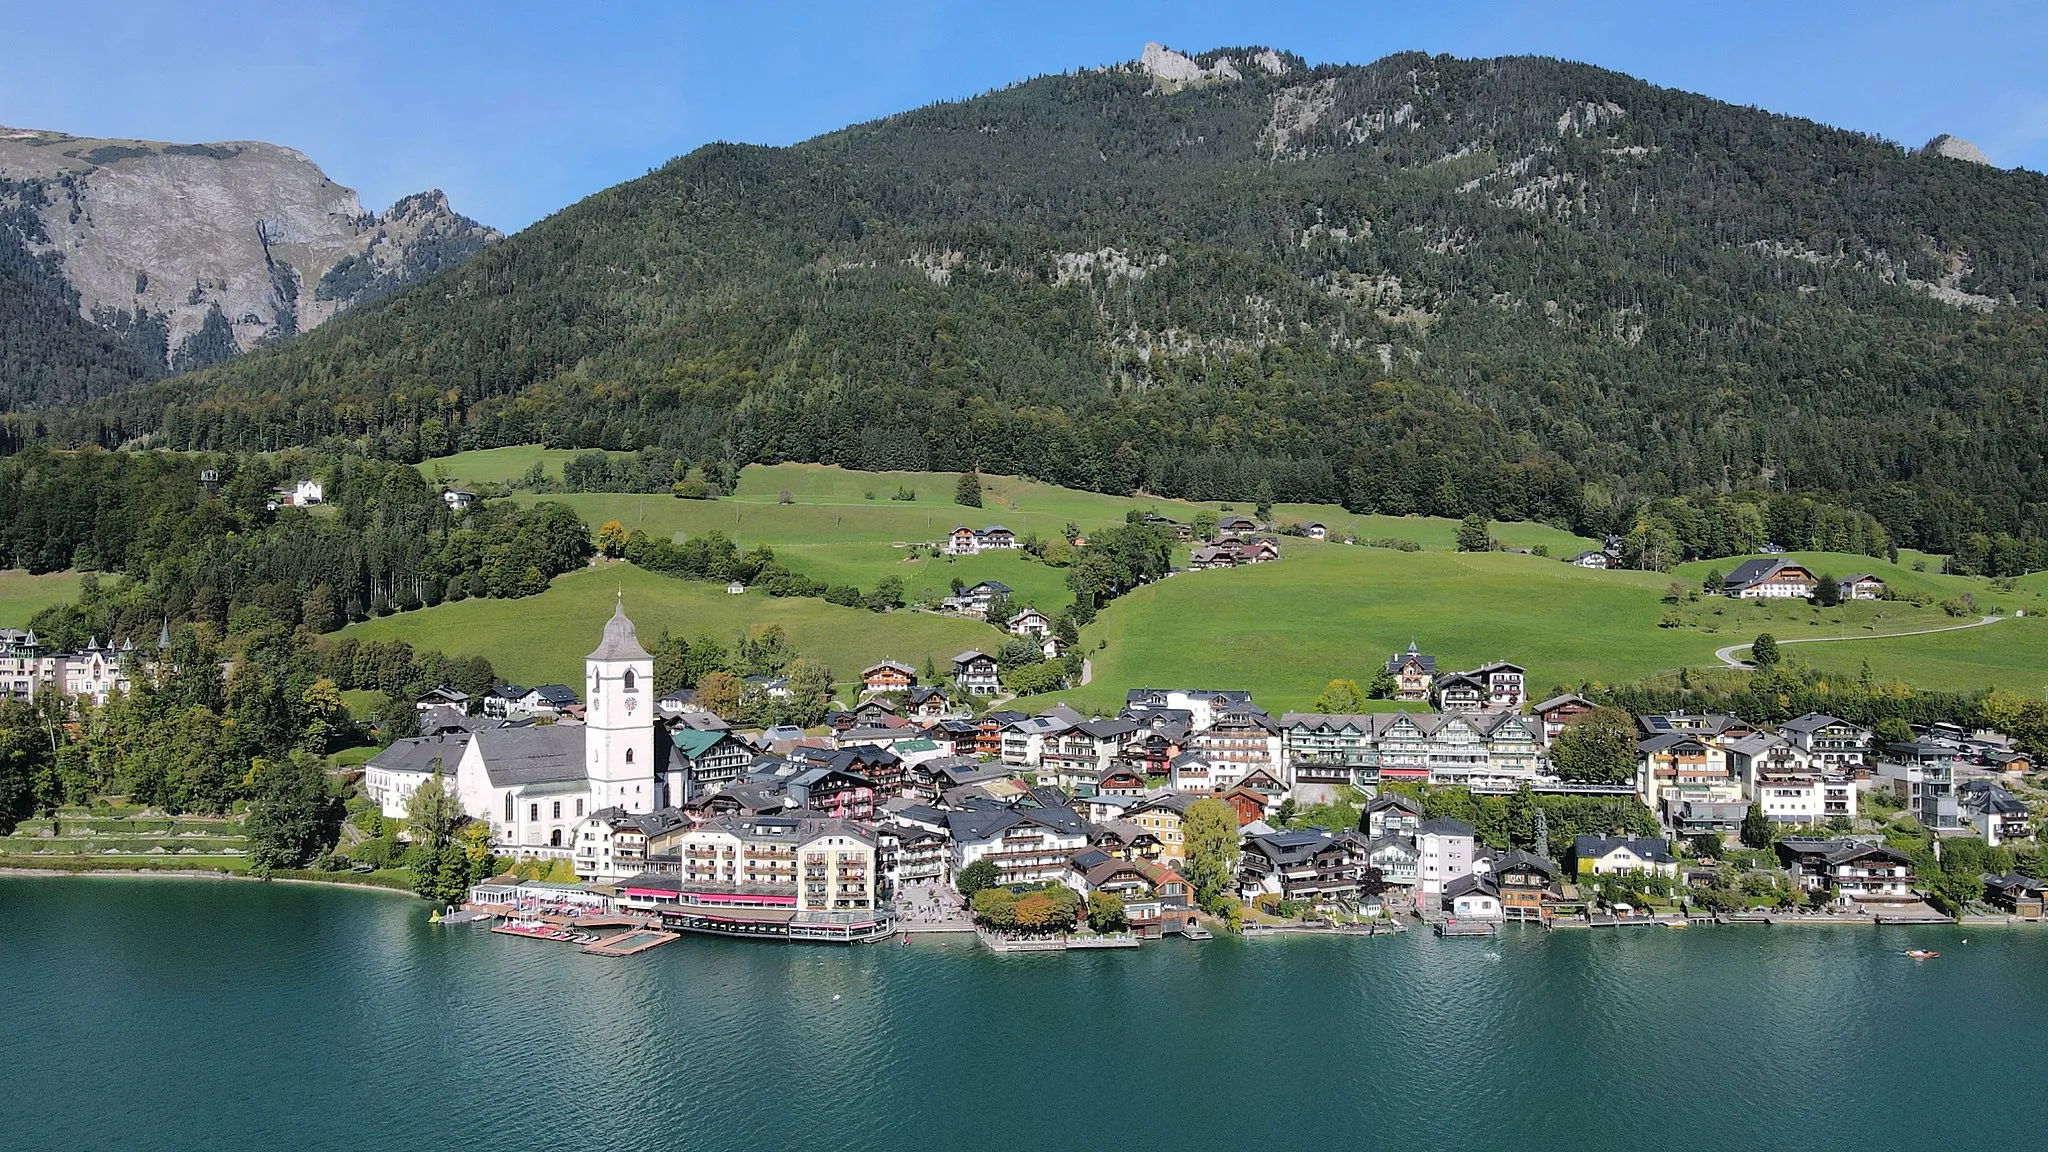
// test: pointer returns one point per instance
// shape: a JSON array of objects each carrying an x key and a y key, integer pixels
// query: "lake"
[{"x": 227, "y": 1015}]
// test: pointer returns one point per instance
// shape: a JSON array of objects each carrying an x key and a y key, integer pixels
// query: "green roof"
[
  {"x": 916, "y": 746},
  {"x": 694, "y": 743}
]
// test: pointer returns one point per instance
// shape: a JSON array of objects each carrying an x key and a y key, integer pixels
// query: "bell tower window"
[
  {"x": 629, "y": 679},
  {"x": 629, "y": 755}
]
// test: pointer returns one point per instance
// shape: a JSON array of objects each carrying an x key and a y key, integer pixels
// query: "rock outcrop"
[
  {"x": 1956, "y": 148},
  {"x": 222, "y": 246}
]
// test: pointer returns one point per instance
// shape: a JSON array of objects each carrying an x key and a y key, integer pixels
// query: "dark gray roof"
[
  {"x": 1811, "y": 722},
  {"x": 560, "y": 695},
  {"x": 1444, "y": 826},
  {"x": 542, "y": 754},
  {"x": 1595, "y": 846},
  {"x": 619, "y": 642},
  {"x": 1467, "y": 884},
  {"x": 418, "y": 753}
]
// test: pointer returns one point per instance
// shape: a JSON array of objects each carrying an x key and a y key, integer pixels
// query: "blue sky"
[{"x": 517, "y": 109}]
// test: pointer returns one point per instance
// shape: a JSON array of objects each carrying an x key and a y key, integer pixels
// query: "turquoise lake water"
[{"x": 201, "y": 1014}]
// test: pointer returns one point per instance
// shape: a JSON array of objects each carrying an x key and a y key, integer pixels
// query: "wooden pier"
[
  {"x": 629, "y": 943},
  {"x": 1467, "y": 928}
]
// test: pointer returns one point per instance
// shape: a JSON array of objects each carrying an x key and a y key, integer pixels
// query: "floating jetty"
[
  {"x": 1467, "y": 928},
  {"x": 629, "y": 943}
]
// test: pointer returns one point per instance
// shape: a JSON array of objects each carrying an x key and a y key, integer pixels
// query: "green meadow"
[
  {"x": 1284, "y": 629},
  {"x": 543, "y": 639},
  {"x": 22, "y": 595}
]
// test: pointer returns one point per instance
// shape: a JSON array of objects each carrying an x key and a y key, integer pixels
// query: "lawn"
[
  {"x": 1282, "y": 630},
  {"x": 543, "y": 639},
  {"x": 22, "y": 595},
  {"x": 502, "y": 465}
]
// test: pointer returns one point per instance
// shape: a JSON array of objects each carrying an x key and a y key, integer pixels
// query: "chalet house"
[
  {"x": 1994, "y": 812},
  {"x": 1619, "y": 855},
  {"x": 1180, "y": 531},
  {"x": 1248, "y": 803},
  {"x": 1030, "y": 622},
  {"x": 975, "y": 599},
  {"x": 1201, "y": 705},
  {"x": 1472, "y": 898},
  {"x": 441, "y": 697},
  {"x": 1496, "y": 685},
  {"x": 1597, "y": 561},
  {"x": 1526, "y": 885},
  {"x": 1392, "y": 814},
  {"x": 833, "y": 791},
  {"x": 930, "y": 703},
  {"x": 1398, "y": 861},
  {"x": 965, "y": 541},
  {"x": 1052, "y": 646},
  {"x": 1027, "y": 845},
  {"x": 1553, "y": 714},
  {"x": 1325, "y": 750},
  {"x": 909, "y": 854},
  {"x": 457, "y": 499},
  {"x": 1834, "y": 745},
  {"x": 546, "y": 700},
  {"x": 1156, "y": 899},
  {"x": 611, "y": 843},
  {"x": 1413, "y": 672},
  {"x": 1120, "y": 779},
  {"x": 975, "y": 672},
  {"x": 704, "y": 762},
  {"x": 1235, "y": 527},
  {"x": 1231, "y": 553},
  {"x": 1316, "y": 530},
  {"x": 1848, "y": 870},
  {"x": 1237, "y": 744},
  {"x": 1862, "y": 586},
  {"x": 1677, "y": 766},
  {"x": 1077, "y": 756},
  {"x": 2018, "y": 895},
  {"x": 1161, "y": 816},
  {"x": 887, "y": 676},
  {"x": 1311, "y": 864},
  {"x": 1768, "y": 579}
]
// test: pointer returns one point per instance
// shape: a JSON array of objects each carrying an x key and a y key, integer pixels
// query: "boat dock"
[
  {"x": 629, "y": 943},
  {"x": 1467, "y": 928}
]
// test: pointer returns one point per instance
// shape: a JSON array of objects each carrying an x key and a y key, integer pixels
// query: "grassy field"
[
  {"x": 1283, "y": 630},
  {"x": 543, "y": 639},
  {"x": 23, "y": 595}
]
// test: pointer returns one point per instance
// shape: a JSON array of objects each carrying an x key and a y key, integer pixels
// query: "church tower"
[{"x": 619, "y": 732}]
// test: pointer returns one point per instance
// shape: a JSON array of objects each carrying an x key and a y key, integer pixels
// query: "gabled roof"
[
  {"x": 1467, "y": 885},
  {"x": 1813, "y": 722},
  {"x": 1561, "y": 701},
  {"x": 1594, "y": 847},
  {"x": 1386, "y": 800},
  {"x": 1524, "y": 859},
  {"x": 888, "y": 666},
  {"x": 693, "y": 743},
  {"x": 1427, "y": 663},
  {"x": 560, "y": 695},
  {"x": 542, "y": 754},
  {"x": 418, "y": 753}
]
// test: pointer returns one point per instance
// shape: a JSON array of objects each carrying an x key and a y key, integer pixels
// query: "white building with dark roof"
[{"x": 535, "y": 785}]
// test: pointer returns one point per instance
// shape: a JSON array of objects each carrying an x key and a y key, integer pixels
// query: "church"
[{"x": 535, "y": 784}]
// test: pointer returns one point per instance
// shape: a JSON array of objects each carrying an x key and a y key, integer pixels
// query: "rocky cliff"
[{"x": 217, "y": 247}]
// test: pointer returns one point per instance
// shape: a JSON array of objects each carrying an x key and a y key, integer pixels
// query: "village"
[{"x": 1193, "y": 809}]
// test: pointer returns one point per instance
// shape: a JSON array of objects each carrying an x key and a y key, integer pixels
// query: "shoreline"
[{"x": 198, "y": 874}]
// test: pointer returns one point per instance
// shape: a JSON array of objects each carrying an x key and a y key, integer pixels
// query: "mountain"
[
  {"x": 121, "y": 260},
  {"x": 1519, "y": 287}
]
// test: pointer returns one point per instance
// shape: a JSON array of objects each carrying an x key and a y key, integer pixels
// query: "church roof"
[
  {"x": 619, "y": 641},
  {"x": 521, "y": 757}
]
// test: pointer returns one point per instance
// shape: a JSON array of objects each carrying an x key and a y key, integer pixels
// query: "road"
[{"x": 1727, "y": 655}]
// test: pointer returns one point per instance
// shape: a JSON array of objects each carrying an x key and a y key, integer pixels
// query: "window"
[
  {"x": 558, "y": 810},
  {"x": 629, "y": 679},
  {"x": 629, "y": 755},
  {"x": 508, "y": 807},
  {"x": 533, "y": 812},
  {"x": 555, "y": 837},
  {"x": 579, "y": 807}
]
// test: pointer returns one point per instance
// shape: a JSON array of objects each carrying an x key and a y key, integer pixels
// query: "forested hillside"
[{"x": 1518, "y": 287}]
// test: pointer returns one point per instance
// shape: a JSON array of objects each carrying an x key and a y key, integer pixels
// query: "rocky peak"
[
  {"x": 1171, "y": 70},
  {"x": 1955, "y": 148}
]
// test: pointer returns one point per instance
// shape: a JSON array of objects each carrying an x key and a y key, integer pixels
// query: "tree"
[
  {"x": 1204, "y": 525},
  {"x": 1707, "y": 846},
  {"x": 1711, "y": 582},
  {"x": 999, "y": 610},
  {"x": 719, "y": 693},
  {"x": 1106, "y": 912},
  {"x": 293, "y": 817},
  {"x": 1340, "y": 696},
  {"x": 978, "y": 877},
  {"x": 1827, "y": 591},
  {"x": 1598, "y": 747},
  {"x": 432, "y": 811},
  {"x": 888, "y": 594},
  {"x": 1209, "y": 835},
  {"x": 1763, "y": 651},
  {"x": 326, "y": 715},
  {"x": 669, "y": 654},
  {"x": 1384, "y": 685},
  {"x": 968, "y": 494},
  {"x": 1756, "y": 828},
  {"x": 395, "y": 718},
  {"x": 1891, "y": 730},
  {"x": 810, "y": 689},
  {"x": 1473, "y": 535},
  {"x": 611, "y": 538}
]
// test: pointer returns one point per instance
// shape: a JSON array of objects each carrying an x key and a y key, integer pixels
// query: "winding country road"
[{"x": 1727, "y": 655}]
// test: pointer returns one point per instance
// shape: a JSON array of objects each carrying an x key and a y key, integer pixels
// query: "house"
[
  {"x": 1834, "y": 745},
  {"x": 1310, "y": 864},
  {"x": 929, "y": 703},
  {"x": 1201, "y": 705},
  {"x": 887, "y": 676},
  {"x": 1414, "y": 674},
  {"x": 1768, "y": 579},
  {"x": 299, "y": 495},
  {"x": 1052, "y": 646},
  {"x": 1553, "y": 714},
  {"x": 1862, "y": 586},
  {"x": 1526, "y": 886},
  {"x": 394, "y": 774},
  {"x": 1026, "y": 844},
  {"x": 611, "y": 843},
  {"x": 1994, "y": 812},
  {"x": 1847, "y": 869},
  {"x": 1161, "y": 816},
  {"x": 1922, "y": 775},
  {"x": 735, "y": 588},
  {"x": 1392, "y": 814},
  {"x": 1597, "y": 561},
  {"x": 961, "y": 542},
  {"x": 1325, "y": 751},
  {"x": 833, "y": 791},
  {"x": 1180, "y": 530},
  {"x": 1235, "y": 527},
  {"x": 778, "y": 877},
  {"x": 1443, "y": 853},
  {"x": 1472, "y": 898},
  {"x": 1030, "y": 622},
  {"x": 976, "y": 599},
  {"x": 1315, "y": 530},
  {"x": 441, "y": 697},
  {"x": 1156, "y": 899},
  {"x": 975, "y": 672},
  {"x": 1620, "y": 855},
  {"x": 545, "y": 700},
  {"x": 1691, "y": 818},
  {"x": 2018, "y": 895},
  {"x": 1673, "y": 767},
  {"x": 1398, "y": 862},
  {"x": 704, "y": 762},
  {"x": 996, "y": 536},
  {"x": 1238, "y": 743},
  {"x": 458, "y": 499},
  {"x": 907, "y": 854},
  {"x": 1496, "y": 685}
]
